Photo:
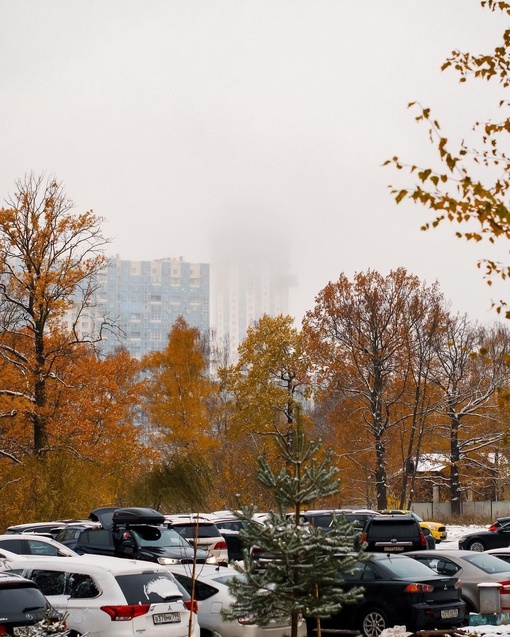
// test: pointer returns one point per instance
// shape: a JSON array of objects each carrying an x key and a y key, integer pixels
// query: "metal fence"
[{"x": 488, "y": 510}]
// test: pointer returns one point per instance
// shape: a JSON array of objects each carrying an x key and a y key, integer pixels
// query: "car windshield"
[
  {"x": 487, "y": 563},
  {"x": 190, "y": 531},
  {"x": 158, "y": 536}
]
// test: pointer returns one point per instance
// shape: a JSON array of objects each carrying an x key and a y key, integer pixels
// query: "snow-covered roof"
[{"x": 430, "y": 462}]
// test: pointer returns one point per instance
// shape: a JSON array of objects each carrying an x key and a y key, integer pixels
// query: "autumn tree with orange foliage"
[
  {"x": 49, "y": 261},
  {"x": 93, "y": 441},
  {"x": 64, "y": 411},
  {"x": 371, "y": 340},
  {"x": 266, "y": 389},
  {"x": 179, "y": 399}
]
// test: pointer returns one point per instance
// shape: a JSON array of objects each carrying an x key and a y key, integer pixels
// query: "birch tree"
[{"x": 472, "y": 368}]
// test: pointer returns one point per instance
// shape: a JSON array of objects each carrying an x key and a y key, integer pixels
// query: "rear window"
[
  {"x": 14, "y": 603},
  {"x": 407, "y": 567},
  {"x": 395, "y": 529},
  {"x": 143, "y": 588},
  {"x": 202, "y": 590},
  {"x": 190, "y": 531},
  {"x": 487, "y": 563}
]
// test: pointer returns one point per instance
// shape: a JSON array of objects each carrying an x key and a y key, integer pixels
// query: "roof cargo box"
[{"x": 137, "y": 515}]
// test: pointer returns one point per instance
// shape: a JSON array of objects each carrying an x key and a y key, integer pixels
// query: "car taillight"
[
  {"x": 256, "y": 551},
  {"x": 458, "y": 585},
  {"x": 247, "y": 619},
  {"x": 363, "y": 539},
  {"x": 504, "y": 588},
  {"x": 3, "y": 630},
  {"x": 419, "y": 588},
  {"x": 191, "y": 605},
  {"x": 423, "y": 539},
  {"x": 125, "y": 613},
  {"x": 220, "y": 546},
  {"x": 493, "y": 527}
]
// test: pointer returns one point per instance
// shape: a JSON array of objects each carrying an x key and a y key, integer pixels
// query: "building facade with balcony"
[{"x": 144, "y": 299}]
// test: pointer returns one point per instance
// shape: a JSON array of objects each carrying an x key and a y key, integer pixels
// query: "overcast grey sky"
[{"x": 177, "y": 120}]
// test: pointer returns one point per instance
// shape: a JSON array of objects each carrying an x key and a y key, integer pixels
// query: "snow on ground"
[{"x": 456, "y": 531}]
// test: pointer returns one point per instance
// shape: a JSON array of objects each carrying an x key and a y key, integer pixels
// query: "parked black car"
[
  {"x": 483, "y": 540},
  {"x": 396, "y": 593},
  {"x": 498, "y": 523},
  {"x": 69, "y": 535},
  {"x": 137, "y": 533},
  {"x": 393, "y": 534},
  {"x": 21, "y": 603}
]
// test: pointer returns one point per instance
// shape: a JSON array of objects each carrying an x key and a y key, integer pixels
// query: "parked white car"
[
  {"x": 200, "y": 531},
  {"x": 34, "y": 544},
  {"x": 212, "y": 595},
  {"x": 110, "y": 597}
]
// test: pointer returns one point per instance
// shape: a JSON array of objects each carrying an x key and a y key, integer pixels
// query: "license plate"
[
  {"x": 448, "y": 614},
  {"x": 166, "y": 618},
  {"x": 394, "y": 549}
]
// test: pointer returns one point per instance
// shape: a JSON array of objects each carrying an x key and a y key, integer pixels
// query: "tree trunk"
[
  {"x": 380, "y": 475},
  {"x": 455, "y": 491}
]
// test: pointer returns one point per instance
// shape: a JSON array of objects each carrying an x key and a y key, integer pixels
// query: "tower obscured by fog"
[{"x": 250, "y": 277}]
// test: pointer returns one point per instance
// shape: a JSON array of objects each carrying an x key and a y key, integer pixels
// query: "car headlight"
[
  {"x": 168, "y": 560},
  {"x": 211, "y": 560},
  {"x": 461, "y": 539}
]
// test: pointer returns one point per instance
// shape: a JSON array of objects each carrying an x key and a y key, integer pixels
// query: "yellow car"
[{"x": 438, "y": 530}]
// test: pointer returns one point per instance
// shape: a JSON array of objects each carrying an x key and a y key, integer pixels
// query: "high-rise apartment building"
[
  {"x": 144, "y": 298},
  {"x": 243, "y": 291},
  {"x": 250, "y": 271}
]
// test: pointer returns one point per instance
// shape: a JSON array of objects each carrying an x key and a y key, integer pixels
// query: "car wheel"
[
  {"x": 476, "y": 545},
  {"x": 374, "y": 622}
]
